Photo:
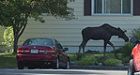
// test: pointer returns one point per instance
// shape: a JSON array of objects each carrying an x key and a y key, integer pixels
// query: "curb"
[{"x": 99, "y": 67}]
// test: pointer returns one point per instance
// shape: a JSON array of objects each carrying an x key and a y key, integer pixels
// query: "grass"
[
  {"x": 7, "y": 60},
  {"x": 95, "y": 59}
]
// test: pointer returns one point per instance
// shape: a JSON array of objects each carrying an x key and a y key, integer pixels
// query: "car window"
[
  {"x": 39, "y": 41},
  {"x": 59, "y": 46}
]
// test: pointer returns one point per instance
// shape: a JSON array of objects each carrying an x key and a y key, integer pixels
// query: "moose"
[{"x": 103, "y": 32}]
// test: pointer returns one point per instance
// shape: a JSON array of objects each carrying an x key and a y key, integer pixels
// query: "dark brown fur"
[{"x": 103, "y": 32}]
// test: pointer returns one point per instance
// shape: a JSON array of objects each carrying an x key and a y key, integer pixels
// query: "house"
[{"x": 118, "y": 13}]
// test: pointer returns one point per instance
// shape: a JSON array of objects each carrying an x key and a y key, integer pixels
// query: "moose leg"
[
  {"x": 111, "y": 44},
  {"x": 82, "y": 45},
  {"x": 105, "y": 44},
  {"x": 78, "y": 54}
]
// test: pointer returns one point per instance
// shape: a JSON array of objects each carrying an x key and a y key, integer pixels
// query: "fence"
[{"x": 74, "y": 49}]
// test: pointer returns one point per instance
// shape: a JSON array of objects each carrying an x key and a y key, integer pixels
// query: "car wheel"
[
  {"x": 131, "y": 69},
  {"x": 30, "y": 67},
  {"x": 57, "y": 64},
  {"x": 67, "y": 65},
  {"x": 20, "y": 65}
]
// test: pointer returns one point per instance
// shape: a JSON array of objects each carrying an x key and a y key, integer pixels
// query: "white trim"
[
  {"x": 103, "y": 12},
  {"x": 131, "y": 7},
  {"x": 122, "y": 7},
  {"x": 92, "y": 8},
  {"x": 103, "y": 5}
]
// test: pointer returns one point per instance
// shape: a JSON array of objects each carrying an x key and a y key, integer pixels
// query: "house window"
[{"x": 112, "y": 7}]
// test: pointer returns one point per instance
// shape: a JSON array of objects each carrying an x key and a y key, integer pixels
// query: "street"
[{"x": 60, "y": 72}]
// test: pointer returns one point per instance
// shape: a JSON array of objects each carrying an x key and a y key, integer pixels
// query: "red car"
[
  {"x": 134, "y": 64},
  {"x": 42, "y": 52}
]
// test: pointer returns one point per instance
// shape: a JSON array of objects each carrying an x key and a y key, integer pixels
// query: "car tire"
[
  {"x": 56, "y": 64},
  {"x": 131, "y": 69},
  {"x": 30, "y": 67},
  {"x": 20, "y": 65},
  {"x": 67, "y": 65}
]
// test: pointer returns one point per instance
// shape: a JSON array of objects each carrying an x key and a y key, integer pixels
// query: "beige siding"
[{"x": 69, "y": 32}]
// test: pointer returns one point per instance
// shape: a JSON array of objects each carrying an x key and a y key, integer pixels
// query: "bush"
[
  {"x": 124, "y": 53},
  {"x": 72, "y": 57},
  {"x": 112, "y": 62},
  {"x": 136, "y": 33},
  {"x": 126, "y": 50},
  {"x": 8, "y": 39},
  {"x": 87, "y": 60}
]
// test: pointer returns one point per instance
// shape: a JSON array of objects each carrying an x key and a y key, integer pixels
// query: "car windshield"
[{"x": 39, "y": 41}]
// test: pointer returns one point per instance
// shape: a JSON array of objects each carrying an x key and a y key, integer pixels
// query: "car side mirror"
[{"x": 65, "y": 49}]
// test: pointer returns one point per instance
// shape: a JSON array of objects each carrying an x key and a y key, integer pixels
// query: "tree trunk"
[
  {"x": 18, "y": 28},
  {"x": 15, "y": 44}
]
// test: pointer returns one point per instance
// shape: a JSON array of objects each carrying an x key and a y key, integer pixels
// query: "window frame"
[{"x": 103, "y": 13}]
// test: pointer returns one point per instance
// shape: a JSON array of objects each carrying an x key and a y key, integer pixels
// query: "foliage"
[
  {"x": 8, "y": 37},
  {"x": 87, "y": 60},
  {"x": 96, "y": 59},
  {"x": 112, "y": 62},
  {"x": 16, "y": 13},
  {"x": 125, "y": 51},
  {"x": 136, "y": 33},
  {"x": 1, "y": 32},
  {"x": 72, "y": 57}
]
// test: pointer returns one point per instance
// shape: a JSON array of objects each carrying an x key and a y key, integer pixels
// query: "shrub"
[
  {"x": 136, "y": 33},
  {"x": 8, "y": 38},
  {"x": 72, "y": 57},
  {"x": 112, "y": 62},
  {"x": 87, "y": 60},
  {"x": 126, "y": 50},
  {"x": 125, "y": 53}
]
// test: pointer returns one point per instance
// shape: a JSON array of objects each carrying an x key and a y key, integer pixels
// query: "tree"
[{"x": 16, "y": 13}]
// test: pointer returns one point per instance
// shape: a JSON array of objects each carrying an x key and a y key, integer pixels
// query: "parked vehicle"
[
  {"x": 134, "y": 63},
  {"x": 42, "y": 53}
]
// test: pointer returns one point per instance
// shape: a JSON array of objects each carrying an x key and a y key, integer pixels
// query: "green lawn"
[
  {"x": 7, "y": 61},
  {"x": 95, "y": 59}
]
